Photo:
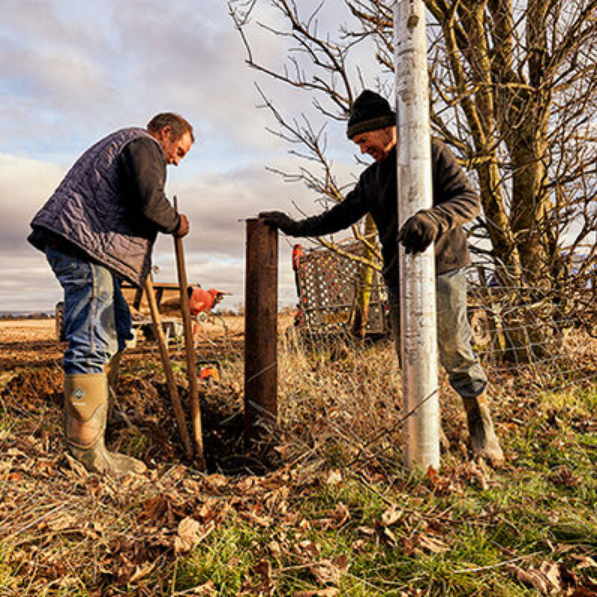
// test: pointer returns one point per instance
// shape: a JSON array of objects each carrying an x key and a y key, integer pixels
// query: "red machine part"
[
  {"x": 202, "y": 300},
  {"x": 297, "y": 253},
  {"x": 208, "y": 371}
]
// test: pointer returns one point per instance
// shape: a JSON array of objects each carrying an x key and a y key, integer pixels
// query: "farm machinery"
[{"x": 201, "y": 303}]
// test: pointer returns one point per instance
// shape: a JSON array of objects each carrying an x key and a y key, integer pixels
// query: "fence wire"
[
  {"x": 542, "y": 332},
  {"x": 538, "y": 332}
]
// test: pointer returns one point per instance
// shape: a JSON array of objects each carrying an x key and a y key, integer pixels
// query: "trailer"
[{"x": 328, "y": 285}]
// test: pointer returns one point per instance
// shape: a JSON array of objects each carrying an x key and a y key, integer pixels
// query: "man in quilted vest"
[
  {"x": 98, "y": 228},
  {"x": 372, "y": 127}
]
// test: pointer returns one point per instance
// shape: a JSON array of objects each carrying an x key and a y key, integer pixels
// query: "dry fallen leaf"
[
  {"x": 359, "y": 545},
  {"x": 341, "y": 514},
  {"x": 432, "y": 543},
  {"x": 275, "y": 549},
  {"x": 546, "y": 579},
  {"x": 327, "y": 592},
  {"x": 216, "y": 481},
  {"x": 190, "y": 534},
  {"x": 309, "y": 549},
  {"x": 62, "y": 522},
  {"x": 192, "y": 486},
  {"x": 585, "y": 561},
  {"x": 253, "y": 517},
  {"x": 264, "y": 585},
  {"x": 391, "y": 516},
  {"x": 334, "y": 477},
  {"x": 142, "y": 571},
  {"x": 329, "y": 571}
]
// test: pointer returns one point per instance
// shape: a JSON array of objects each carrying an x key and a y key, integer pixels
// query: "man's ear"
[{"x": 166, "y": 133}]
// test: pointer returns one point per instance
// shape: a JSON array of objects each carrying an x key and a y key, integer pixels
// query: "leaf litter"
[{"x": 124, "y": 531}]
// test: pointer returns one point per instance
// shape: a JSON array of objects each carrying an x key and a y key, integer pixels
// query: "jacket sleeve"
[
  {"x": 142, "y": 178},
  {"x": 457, "y": 202},
  {"x": 339, "y": 217}
]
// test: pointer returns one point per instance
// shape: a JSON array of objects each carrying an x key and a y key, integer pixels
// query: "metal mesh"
[
  {"x": 542, "y": 332},
  {"x": 538, "y": 333},
  {"x": 328, "y": 286}
]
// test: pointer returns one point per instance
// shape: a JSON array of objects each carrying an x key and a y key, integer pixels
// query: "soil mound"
[{"x": 33, "y": 389}]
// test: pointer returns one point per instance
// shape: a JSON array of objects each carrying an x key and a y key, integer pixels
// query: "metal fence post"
[
  {"x": 261, "y": 324},
  {"x": 417, "y": 273}
]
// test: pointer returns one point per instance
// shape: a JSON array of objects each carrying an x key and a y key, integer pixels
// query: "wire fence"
[
  {"x": 342, "y": 394},
  {"x": 540, "y": 333},
  {"x": 545, "y": 332}
]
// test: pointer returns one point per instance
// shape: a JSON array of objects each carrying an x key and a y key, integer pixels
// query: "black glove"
[
  {"x": 280, "y": 221},
  {"x": 418, "y": 232}
]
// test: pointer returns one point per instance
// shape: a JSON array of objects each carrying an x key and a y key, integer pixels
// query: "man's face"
[
  {"x": 377, "y": 144},
  {"x": 174, "y": 150}
]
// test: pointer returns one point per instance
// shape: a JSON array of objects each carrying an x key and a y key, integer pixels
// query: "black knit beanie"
[{"x": 370, "y": 112}]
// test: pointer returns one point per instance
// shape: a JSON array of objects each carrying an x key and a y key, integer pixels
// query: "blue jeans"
[
  {"x": 97, "y": 320},
  {"x": 454, "y": 334}
]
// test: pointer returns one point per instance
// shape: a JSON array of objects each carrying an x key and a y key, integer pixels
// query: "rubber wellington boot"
[
  {"x": 484, "y": 442},
  {"x": 86, "y": 409}
]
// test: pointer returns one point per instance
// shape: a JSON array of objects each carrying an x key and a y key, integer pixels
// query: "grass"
[{"x": 337, "y": 515}]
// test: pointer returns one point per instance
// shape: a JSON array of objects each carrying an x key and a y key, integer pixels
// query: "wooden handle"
[
  {"x": 190, "y": 353},
  {"x": 167, "y": 365}
]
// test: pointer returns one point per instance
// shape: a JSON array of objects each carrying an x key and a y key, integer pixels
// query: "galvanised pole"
[{"x": 417, "y": 272}]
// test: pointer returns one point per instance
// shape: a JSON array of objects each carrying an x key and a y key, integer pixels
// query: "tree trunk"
[{"x": 361, "y": 315}]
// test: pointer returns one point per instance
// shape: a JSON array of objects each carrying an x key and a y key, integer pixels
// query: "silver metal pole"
[{"x": 417, "y": 272}]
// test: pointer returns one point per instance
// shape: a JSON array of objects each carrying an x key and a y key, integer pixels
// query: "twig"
[
  {"x": 498, "y": 565},
  {"x": 37, "y": 520}
]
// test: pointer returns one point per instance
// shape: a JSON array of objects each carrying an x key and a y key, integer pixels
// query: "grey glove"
[
  {"x": 281, "y": 221},
  {"x": 418, "y": 232}
]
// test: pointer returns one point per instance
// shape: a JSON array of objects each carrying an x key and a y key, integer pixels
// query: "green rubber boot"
[
  {"x": 86, "y": 409},
  {"x": 484, "y": 442}
]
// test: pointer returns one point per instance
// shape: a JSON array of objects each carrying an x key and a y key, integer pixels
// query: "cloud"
[
  {"x": 218, "y": 205},
  {"x": 25, "y": 185},
  {"x": 27, "y": 282}
]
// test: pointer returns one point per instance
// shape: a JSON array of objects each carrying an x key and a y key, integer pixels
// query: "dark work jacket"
[
  {"x": 455, "y": 202},
  {"x": 111, "y": 205}
]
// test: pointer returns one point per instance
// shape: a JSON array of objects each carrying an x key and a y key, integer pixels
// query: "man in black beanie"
[{"x": 372, "y": 126}]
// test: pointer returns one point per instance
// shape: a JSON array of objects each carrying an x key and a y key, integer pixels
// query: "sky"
[{"x": 71, "y": 73}]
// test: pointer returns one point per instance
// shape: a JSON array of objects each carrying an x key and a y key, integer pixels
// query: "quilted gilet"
[{"x": 90, "y": 212}]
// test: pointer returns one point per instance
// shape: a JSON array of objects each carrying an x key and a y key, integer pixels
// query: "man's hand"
[
  {"x": 183, "y": 227},
  {"x": 418, "y": 232},
  {"x": 280, "y": 221}
]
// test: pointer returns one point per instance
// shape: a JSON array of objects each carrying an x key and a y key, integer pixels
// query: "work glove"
[
  {"x": 281, "y": 221},
  {"x": 418, "y": 232}
]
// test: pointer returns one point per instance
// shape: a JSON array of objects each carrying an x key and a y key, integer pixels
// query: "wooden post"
[
  {"x": 168, "y": 372},
  {"x": 261, "y": 324}
]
